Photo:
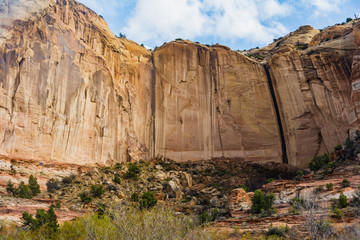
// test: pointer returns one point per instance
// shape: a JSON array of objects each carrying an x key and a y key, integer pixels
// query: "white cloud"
[
  {"x": 109, "y": 8},
  {"x": 325, "y": 6},
  {"x": 164, "y": 20}
]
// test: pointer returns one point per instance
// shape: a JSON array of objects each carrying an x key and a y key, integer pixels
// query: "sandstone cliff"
[
  {"x": 72, "y": 92},
  {"x": 213, "y": 102}
]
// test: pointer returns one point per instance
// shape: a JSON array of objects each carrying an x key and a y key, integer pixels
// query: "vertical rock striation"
[
  {"x": 72, "y": 92},
  {"x": 212, "y": 102}
]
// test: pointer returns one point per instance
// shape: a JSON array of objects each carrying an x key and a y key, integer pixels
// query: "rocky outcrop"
[
  {"x": 72, "y": 92},
  {"x": 238, "y": 200}
]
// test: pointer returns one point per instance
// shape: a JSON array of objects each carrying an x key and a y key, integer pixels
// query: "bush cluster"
[
  {"x": 132, "y": 172},
  {"x": 85, "y": 197},
  {"x": 319, "y": 162},
  {"x": 340, "y": 203},
  {"x": 296, "y": 204},
  {"x": 97, "y": 190},
  {"x": 262, "y": 203},
  {"x": 24, "y": 190},
  {"x": 277, "y": 231},
  {"x": 206, "y": 217},
  {"x": 329, "y": 186},
  {"x": 42, "y": 219},
  {"x": 147, "y": 200}
]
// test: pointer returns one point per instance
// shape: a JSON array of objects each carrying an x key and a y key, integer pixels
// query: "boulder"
[{"x": 238, "y": 200}]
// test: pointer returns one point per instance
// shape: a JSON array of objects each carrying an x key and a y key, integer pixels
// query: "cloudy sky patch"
[{"x": 237, "y": 23}]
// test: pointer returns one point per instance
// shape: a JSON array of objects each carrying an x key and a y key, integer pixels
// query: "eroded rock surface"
[{"x": 72, "y": 92}]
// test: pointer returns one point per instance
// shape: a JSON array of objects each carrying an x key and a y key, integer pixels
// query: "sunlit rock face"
[
  {"x": 313, "y": 89},
  {"x": 212, "y": 102},
  {"x": 72, "y": 92}
]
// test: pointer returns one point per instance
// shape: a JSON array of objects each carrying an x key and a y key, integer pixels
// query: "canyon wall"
[
  {"x": 72, "y": 92},
  {"x": 213, "y": 102}
]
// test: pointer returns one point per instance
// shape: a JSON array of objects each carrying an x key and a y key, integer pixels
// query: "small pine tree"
[
  {"x": 343, "y": 203},
  {"x": 262, "y": 203},
  {"x": 117, "y": 179},
  {"x": 51, "y": 219},
  {"x": 34, "y": 186},
  {"x": 11, "y": 189},
  {"x": 42, "y": 218},
  {"x": 24, "y": 191}
]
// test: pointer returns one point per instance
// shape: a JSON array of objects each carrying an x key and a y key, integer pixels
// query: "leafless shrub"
[
  {"x": 316, "y": 222},
  {"x": 349, "y": 233}
]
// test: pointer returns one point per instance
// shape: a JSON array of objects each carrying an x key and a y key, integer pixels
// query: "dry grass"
[{"x": 120, "y": 223}]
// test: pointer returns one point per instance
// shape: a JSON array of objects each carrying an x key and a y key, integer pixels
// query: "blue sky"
[{"x": 239, "y": 24}]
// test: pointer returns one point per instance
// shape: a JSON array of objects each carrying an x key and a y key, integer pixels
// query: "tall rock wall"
[
  {"x": 72, "y": 92},
  {"x": 212, "y": 102},
  {"x": 314, "y": 93}
]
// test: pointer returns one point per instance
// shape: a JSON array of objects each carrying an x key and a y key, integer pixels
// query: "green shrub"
[
  {"x": 34, "y": 186},
  {"x": 58, "y": 205},
  {"x": 147, "y": 200},
  {"x": 215, "y": 214},
  {"x": 24, "y": 191},
  {"x": 246, "y": 188},
  {"x": 318, "y": 189},
  {"x": 296, "y": 204},
  {"x": 349, "y": 19},
  {"x": 299, "y": 175},
  {"x": 11, "y": 189},
  {"x": 135, "y": 197},
  {"x": 204, "y": 217},
  {"x": 68, "y": 180},
  {"x": 345, "y": 183},
  {"x": 269, "y": 180},
  {"x": 302, "y": 46},
  {"x": 132, "y": 172},
  {"x": 277, "y": 231},
  {"x": 100, "y": 210},
  {"x": 85, "y": 197},
  {"x": 338, "y": 213},
  {"x": 343, "y": 203},
  {"x": 338, "y": 147},
  {"x": 42, "y": 218},
  {"x": 337, "y": 36},
  {"x": 53, "y": 185},
  {"x": 117, "y": 179},
  {"x": 319, "y": 162},
  {"x": 262, "y": 203},
  {"x": 97, "y": 190},
  {"x": 329, "y": 186}
]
